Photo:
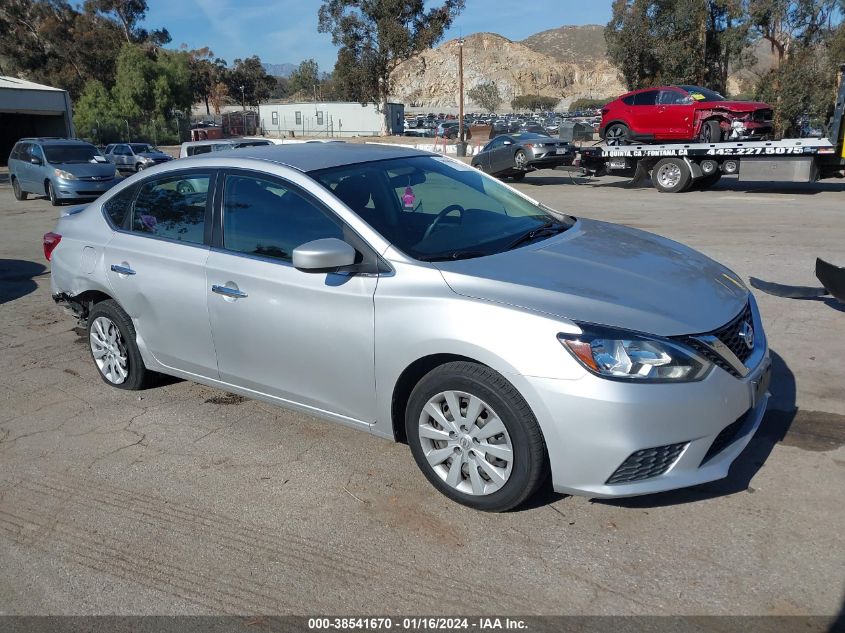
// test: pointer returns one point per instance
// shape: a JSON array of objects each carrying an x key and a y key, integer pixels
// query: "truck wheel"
[
  {"x": 711, "y": 132},
  {"x": 670, "y": 175}
]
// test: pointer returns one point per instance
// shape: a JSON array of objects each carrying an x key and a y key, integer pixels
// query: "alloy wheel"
[
  {"x": 465, "y": 443},
  {"x": 520, "y": 160},
  {"x": 109, "y": 350}
]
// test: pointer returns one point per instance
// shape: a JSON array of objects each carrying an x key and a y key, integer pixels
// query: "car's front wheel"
[
  {"x": 51, "y": 194},
  {"x": 111, "y": 337},
  {"x": 475, "y": 438},
  {"x": 20, "y": 194}
]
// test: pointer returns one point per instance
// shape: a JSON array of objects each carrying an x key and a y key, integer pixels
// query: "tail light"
[
  {"x": 50, "y": 241},
  {"x": 528, "y": 145}
]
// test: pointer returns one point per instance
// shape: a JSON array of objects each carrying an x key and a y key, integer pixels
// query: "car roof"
[
  {"x": 307, "y": 157},
  {"x": 55, "y": 141}
]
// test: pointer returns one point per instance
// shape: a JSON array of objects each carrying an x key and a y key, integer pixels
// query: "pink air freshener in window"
[{"x": 408, "y": 198}]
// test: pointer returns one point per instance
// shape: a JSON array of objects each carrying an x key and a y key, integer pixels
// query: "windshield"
[
  {"x": 71, "y": 153},
  {"x": 141, "y": 148},
  {"x": 433, "y": 208},
  {"x": 702, "y": 94}
]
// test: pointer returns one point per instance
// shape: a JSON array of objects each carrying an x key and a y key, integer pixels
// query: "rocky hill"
[
  {"x": 430, "y": 79},
  {"x": 568, "y": 62}
]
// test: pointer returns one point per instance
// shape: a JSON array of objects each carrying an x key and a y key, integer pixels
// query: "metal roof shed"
[{"x": 31, "y": 109}]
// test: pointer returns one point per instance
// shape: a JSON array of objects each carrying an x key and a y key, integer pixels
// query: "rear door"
[
  {"x": 23, "y": 169},
  {"x": 155, "y": 264},
  {"x": 646, "y": 119},
  {"x": 303, "y": 337}
]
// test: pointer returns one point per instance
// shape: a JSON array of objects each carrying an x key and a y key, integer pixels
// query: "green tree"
[
  {"x": 305, "y": 78},
  {"x": 375, "y": 36},
  {"x": 94, "y": 113},
  {"x": 249, "y": 73},
  {"x": 656, "y": 42},
  {"x": 534, "y": 103},
  {"x": 486, "y": 95}
]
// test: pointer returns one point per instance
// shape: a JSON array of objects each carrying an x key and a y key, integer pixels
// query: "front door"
[
  {"x": 155, "y": 264},
  {"x": 676, "y": 114},
  {"x": 299, "y": 336}
]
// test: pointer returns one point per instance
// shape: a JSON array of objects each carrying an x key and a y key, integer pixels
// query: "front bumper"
[
  {"x": 68, "y": 189},
  {"x": 550, "y": 161},
  {"x": 593, "y": 425}
]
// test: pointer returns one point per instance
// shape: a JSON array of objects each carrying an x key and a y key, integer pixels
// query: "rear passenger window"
[
  {"x": 118, "y": 207},
  {"x": 268, "y": 219},
  {"x": 173, "y": 207},
  {"x": 629, "y": 100},
  {"x": 647, "y": 98}
]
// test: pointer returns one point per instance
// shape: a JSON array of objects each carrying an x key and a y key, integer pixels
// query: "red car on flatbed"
[{"x": 683, "y": 113}]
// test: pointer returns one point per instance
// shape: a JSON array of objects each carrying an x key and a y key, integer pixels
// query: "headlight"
[
  {"x": 64, "y": 175},
  {"x": 622, "y": 355},
  {"x": 144, "y": 159}
]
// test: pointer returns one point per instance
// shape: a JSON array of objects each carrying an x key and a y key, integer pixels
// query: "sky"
[{"x": 285, "y": 31}]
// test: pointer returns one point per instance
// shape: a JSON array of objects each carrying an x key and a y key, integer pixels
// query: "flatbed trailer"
[{"x": 676, "y": 167}]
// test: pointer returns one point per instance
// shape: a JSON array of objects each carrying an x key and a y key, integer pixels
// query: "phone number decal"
[{"x": 754, "y": 151}]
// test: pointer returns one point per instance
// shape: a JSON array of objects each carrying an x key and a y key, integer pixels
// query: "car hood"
[
  {"x": 609, "y": 275},
  {"x": 87, "y": 170},
  {"x": 734, "y": 106}
]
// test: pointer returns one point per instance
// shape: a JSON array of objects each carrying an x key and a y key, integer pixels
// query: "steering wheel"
[{"x": 441, "y": 215}]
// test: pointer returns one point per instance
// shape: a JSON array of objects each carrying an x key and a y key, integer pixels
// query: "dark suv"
[{"x": 59, "y": 168}]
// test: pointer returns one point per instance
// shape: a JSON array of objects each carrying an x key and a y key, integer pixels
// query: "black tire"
[
  {"x": 530, "y": 464},
  {"x": 139, "y": 167},
  {"x": 617, "y": 134},
  {"x": 520, "y": 160},
  {"x": 20, "y": 194},
  {"x": 51, "y": 194},
  {"x": 711, "y": 132},
  {"x": 517, "y": 176},
  {"x": 138, "y": 375},
  {"x": 664, "y": 168}
]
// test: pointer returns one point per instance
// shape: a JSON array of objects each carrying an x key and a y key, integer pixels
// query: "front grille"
[
  {"x": 647, "y": 463},
  {"x": 725, "y": 437},
  {"x": 729, "y": 335}
]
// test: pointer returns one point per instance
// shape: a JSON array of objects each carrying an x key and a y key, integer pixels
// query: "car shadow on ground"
[
  {"x": 725, "y": 185},
  {"x": 17, "y": 278},
  {"x": 773, "y": 429}
]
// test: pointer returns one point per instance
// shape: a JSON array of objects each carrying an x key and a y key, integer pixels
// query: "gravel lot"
[{"x": 183, "y": 499}]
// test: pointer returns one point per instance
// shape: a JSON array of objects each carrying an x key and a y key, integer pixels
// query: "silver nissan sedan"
[{"x": 409, "y": 295}]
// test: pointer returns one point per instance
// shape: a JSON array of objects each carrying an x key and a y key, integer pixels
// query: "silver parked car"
[
  {"x": 135, "y": 156},
  {"x": 515, "y": 155},
  {"x": 411, "y": 296}
]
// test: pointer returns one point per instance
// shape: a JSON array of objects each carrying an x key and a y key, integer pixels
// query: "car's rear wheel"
[
  {"x": 20, "y": 194},
  {"x": 670, "y": 175},
  {"x": 51, "y": 194},
  {"x": 111, "y": 338},
  {"x": 617, "y": 134},
  {"x": 475, "y": 438},
  {"x": 711, "y": 132}
]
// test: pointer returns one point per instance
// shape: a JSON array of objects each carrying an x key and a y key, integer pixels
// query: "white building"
[
  {"x": 30, "y": 109},
  {"x": 332, "y": 119}
]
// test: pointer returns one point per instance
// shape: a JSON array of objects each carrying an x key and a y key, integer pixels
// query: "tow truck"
[{"x": 676, "y": 167}]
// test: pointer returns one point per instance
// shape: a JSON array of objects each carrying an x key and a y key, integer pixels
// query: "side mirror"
[
  {"x": 508, "y": 143},
  {"x": 323, "y": 255},
  {"x": 35, "y": 160}
]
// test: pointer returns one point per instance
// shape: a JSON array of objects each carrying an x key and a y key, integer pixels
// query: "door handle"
[
  {"x": 122, "y": 270},
  {"x": 229, "y": 292}
]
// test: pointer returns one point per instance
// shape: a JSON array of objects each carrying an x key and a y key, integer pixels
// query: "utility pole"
[
  {"x": 243, "y": 99},
  {"x": 461, "y": 91}
]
